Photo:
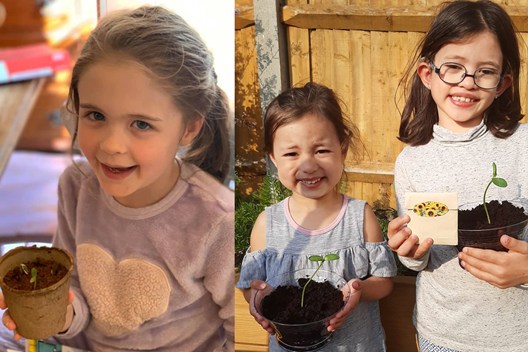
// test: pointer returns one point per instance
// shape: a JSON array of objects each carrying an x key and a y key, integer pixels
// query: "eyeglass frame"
[{"x": 466, "y": 74}]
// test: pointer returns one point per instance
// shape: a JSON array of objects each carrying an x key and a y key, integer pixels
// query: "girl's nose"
[
  {"x": 113, "y": 141},
  {"x": 308, "y": 164},
  {"x": 468, "y": 82}
]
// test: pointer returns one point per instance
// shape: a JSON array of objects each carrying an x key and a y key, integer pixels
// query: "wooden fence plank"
[
  {"x": 403, "y": 19},
  {"x": 299, "y": 55}
]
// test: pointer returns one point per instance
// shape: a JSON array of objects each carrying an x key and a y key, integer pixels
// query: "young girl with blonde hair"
[{"x": 152, "y": 234}]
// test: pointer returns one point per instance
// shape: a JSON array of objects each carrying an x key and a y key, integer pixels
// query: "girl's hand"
[
  {"x": 500, "y": 269},
  {"x": 10, "y": 323},
  {"x": 353, "y": 300},
  {"x": 258, "y": 285},
  {"x": 403, "y": 242},
  {"x": 7, "y": 320}
]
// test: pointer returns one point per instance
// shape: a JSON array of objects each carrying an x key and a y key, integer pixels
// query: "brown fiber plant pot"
[{"x": 38, "y": 313}]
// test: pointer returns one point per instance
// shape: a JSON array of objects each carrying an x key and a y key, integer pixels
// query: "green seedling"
[
  {"x": 34, "y": 273},
  {"x": 317, "y": 258},
  {"x": 33, "y": 279},
  {"x": 497, "y": 181}
]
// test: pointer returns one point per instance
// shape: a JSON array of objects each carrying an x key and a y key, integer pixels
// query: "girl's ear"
[
  {"x": 425, "y": 72},
  {"x": 192, "y": 128},
  {"x": 505, "y": 83},
  {"x": 272, "y": 158}
]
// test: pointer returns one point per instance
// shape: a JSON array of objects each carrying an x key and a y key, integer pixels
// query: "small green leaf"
[
  {"x": 331, "y": 256},
  {"x": 33, "y": 279},
  {"x": 315, "y": 258},
  {"x": 497, "y": 181},
  {"x": 494, "y": 170}
]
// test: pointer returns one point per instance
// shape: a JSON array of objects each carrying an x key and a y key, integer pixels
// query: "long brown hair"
[{"x": 454, "y": 22}]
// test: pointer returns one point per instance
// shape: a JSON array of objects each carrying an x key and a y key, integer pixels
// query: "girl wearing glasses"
[{"x": 462, "y": 114}]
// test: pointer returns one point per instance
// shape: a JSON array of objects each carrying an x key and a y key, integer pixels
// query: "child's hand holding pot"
[
  {"x": 10, "y": 323},
  {"x": 353, "y": 292},
  {"x": 257, "y": 285}
]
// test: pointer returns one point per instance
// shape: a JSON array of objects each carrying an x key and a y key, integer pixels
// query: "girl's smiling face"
[
  {"x": 462, "y": 106},
  {"x": 308, "y": 156},
  {"x": 129, "y": 130}
]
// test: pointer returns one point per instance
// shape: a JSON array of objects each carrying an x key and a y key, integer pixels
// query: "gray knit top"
[
  {"x": 288, "y": 246},
  {"x": 453, "y": 308}
]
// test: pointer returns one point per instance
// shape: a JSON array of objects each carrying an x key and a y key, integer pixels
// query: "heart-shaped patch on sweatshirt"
[{"x": 124, "y": 294}]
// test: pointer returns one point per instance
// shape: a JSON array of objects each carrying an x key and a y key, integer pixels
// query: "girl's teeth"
[
  {"x": 462, "y": 99},
  {"x": 311, "y": 182}
]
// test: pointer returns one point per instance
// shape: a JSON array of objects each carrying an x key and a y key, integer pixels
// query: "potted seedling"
[
  {"x": 35, "y": 285},
  {"x": 483, "y": 225},
  {"x": 300, "y": 304}
]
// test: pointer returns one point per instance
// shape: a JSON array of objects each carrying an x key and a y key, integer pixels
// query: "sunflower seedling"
[
  {"x": 317, "y": 258},
  {"x": 34, "y": 273},
  {"x": 497, "y": 181}
]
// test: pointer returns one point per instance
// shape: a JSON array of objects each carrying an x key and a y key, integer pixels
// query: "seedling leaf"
[
  {"x": 497, "y": 181},
  {"x": 317, "y": 258},
  {"x": 331, "y": 256},
  {"x": 500, "y": 182},
  {"x": 33, "y": 279}
]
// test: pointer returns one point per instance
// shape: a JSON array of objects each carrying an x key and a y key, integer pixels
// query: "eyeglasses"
[{"x": 453, "y": 73}]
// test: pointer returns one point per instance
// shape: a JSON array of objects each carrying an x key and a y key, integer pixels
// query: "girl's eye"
[
  {"x": 290, "y": 154},
  {"x": 96, "y": 116},
  {"x": 142, "y": 125},
  {"x": 322, "y": 151}
]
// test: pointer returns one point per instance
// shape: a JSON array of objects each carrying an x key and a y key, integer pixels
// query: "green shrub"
[{"x": 248, "y": 208}]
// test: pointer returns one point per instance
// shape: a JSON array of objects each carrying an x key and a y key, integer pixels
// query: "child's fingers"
[
  {"x": 396, "y": 224},
  {"x": 423, "y": 248},
  {"x": 354, "y": 296},
  {"x": 3, "y": 304},
  {"x": 258, "y": 284},
  {"x": 407, "y": 247},
  {"x": 71, "y": 297},
  {"x": 7, "y": 321},
  {"x": 399, "y": 238}
]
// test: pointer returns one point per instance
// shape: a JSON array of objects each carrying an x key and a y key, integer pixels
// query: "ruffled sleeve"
[
  {"x": 253, "y": 268},
  {"x": 370, "y": 258},
  {"x": 381, "y": 260}
]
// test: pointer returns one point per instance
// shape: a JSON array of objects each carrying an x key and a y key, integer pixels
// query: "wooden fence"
[{"x": 360, "y": 49}]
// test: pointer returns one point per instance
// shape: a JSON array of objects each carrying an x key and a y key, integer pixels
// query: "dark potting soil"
[
  {"x": 501, "y": 214},
  {"x": 321, "y": 300},
  {"x": 48, "y": 273}
]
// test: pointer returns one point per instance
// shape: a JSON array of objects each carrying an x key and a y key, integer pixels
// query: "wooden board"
[{"x": 16, "y": 102}]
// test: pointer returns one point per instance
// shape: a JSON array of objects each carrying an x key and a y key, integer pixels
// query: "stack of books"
[{"x": 32, "y": 61}]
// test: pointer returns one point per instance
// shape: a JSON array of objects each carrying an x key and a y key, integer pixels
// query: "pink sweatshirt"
[{"x": 157, "y": 278}]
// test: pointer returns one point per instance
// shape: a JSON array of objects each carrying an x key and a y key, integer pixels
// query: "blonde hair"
[{"x": 176, "y": 57}]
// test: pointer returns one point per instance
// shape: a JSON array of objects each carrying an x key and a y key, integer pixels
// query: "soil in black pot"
[
  {"x": 506, "y": 219},
  {"x": 321, "y": 300},
  {"x": 501, "y": 214},
  {"x": 48, "y": 273}
]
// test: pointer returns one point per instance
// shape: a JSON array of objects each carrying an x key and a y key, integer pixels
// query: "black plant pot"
[
  {"x": 488, "y": 237},
  {"x": 307, "y": 336}
]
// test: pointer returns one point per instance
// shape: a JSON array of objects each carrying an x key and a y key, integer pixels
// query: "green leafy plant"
[
  {"x": 34, "y": 273},
  {"x": 317, "y": 258},
  {"x": 248, "y": 208},
  {"x": 497, "y": 181}
]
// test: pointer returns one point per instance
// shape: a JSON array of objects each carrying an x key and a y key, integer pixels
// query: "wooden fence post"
[{"x": 272, "y": 55}]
